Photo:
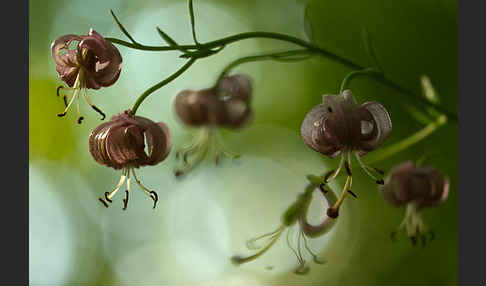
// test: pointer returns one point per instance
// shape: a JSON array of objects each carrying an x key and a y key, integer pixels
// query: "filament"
[
  {"x": 151, "y": 194},
  {"x": 314, "y": 256},
  {"x": 120, "y": 183},
  {"x": 250, "y": 244},
  {"x": 240, "y": 260}
]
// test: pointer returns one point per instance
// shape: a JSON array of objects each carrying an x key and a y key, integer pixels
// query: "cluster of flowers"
[{"x": 336, "y": 127}]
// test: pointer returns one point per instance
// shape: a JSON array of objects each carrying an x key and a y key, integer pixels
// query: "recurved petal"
[
  {"x": 396, "y": 188},
  {"x": 107, "y": 67},
  {"x": 238, "y": 85},
  {"x": 62, "y": 43},
  {"x": 382, "y": 126},
  {"x": 158, "y": 140},
  {"x": 313, "y": 132}
]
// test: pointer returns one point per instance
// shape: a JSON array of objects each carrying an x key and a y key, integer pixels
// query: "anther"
[
  {"x": 58, "y": 89},
  {"x": 178, "y": 173},
  {"x": 99, "y": 111},
  {"x": 348, "y": 169},
  {"x": 414, "y": 240},
  {"x": 107, "y": 198},
  {"x": 104, "y": 203},
  {"x": 353, "y": 194},
  {"x": 379, "y": 171},
  {"x": 154, "y": 197},
  {"x": 329, "y": 174},
  {"x": 125, "y": 200},
  {"x": 380, "y": 182},
  {"x": 323, "y": 190},
  {"x": 80, "y": 119},
  {"x": 62, "y": 114}
]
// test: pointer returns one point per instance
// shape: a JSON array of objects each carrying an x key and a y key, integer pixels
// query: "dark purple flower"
[
  {"x": 92, "y": 63},
  {"x": 225, "y": 105},
  {"x": 340, "y": 126},
  {"x": 120, "y": 144},
  {"x": 415, "y": 187}
]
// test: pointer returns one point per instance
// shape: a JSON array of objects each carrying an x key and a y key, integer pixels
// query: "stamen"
[
  {"x": 80, "y": 119},
  {"x": 290, "y": 245},
  {"x": 92, "y": 105},
  {"x": 67, "y": 107},
  {"x": 108, "y": 196},
  {"x": 250, "y": 244},
  {"x": 366, "y": 168},
  {"x": 353, "y": 194},
  {"x": 151, "y": 194},
  {"x": 314, "y": 256},
  {"x": 237, "y": 260},
  {"x": 127, "y": 191}
]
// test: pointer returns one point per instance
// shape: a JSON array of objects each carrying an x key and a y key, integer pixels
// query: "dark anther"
[
  {"x": 380, "y": 182},
  {"x": 125, "y": 200},
  {"x": 106, "y": 197},
  {"x": 323, "y": 190},
  {"x": 62, "y": 114},
  {"x": 154, "y": 197},
  {"x": 80, "y": 119},
  {"x": 329, "y": 109},
  {"x": 393, "y": 236},
  {"x": 352, "y": 194},
  {"x": 328, "y": 174},
  {"x": 379, "y": 171},
  {"x": 58, "y": 89},
  {"x": 332, "y": 213},
  {"x": 103, "y": 202},
  {"x": 424, "y": 240},
  {"x": 99, "y": 111},
  {"x": 178, "y": 173},
  {"x": 348, "y": 170},
  {"x": 65, "y": 101},
  {"x": 414, "y": 240}
]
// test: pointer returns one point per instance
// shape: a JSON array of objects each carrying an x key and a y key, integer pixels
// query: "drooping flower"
[
  {"x": 340, "y": 126},
  {"x": 414, "y": 187},
  {"x": 296, "y": 213},
  {"x": 225, "y": 105},
  {"x": 120, "y": 144},
  {"x": 82, "y": 62}
]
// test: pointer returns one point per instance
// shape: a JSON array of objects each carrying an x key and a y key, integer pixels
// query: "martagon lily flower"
[
  {"x": 415, "y": 187},
  {"x": 83, "y": 62},
  {"x": 295, "y": 214},
  {"x": 120, "y": 144},
  {"x": 225, "y": 105},
  {"x": 339, "y": 126}
]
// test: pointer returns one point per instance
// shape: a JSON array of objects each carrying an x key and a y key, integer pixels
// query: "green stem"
[
  {"x": 276, "y": 36},
  {"x": 409, "y": 141},
  {"x": 144, "y": 95},
  {"x": 280, "y": 56},
  {"x": 347, "y": 80}
]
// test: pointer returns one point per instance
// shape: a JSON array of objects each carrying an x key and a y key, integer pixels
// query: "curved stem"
[
  {"x": 347, "y": 80},
  {"x": 292, "y": 55},
  {"x": 144, "y": 95},
  {"x": 409, "y": 141},
  {"x": 282, "y": 37}
]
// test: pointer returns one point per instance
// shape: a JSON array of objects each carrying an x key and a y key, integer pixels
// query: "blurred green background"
[{"x": 204, "y": 219}]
